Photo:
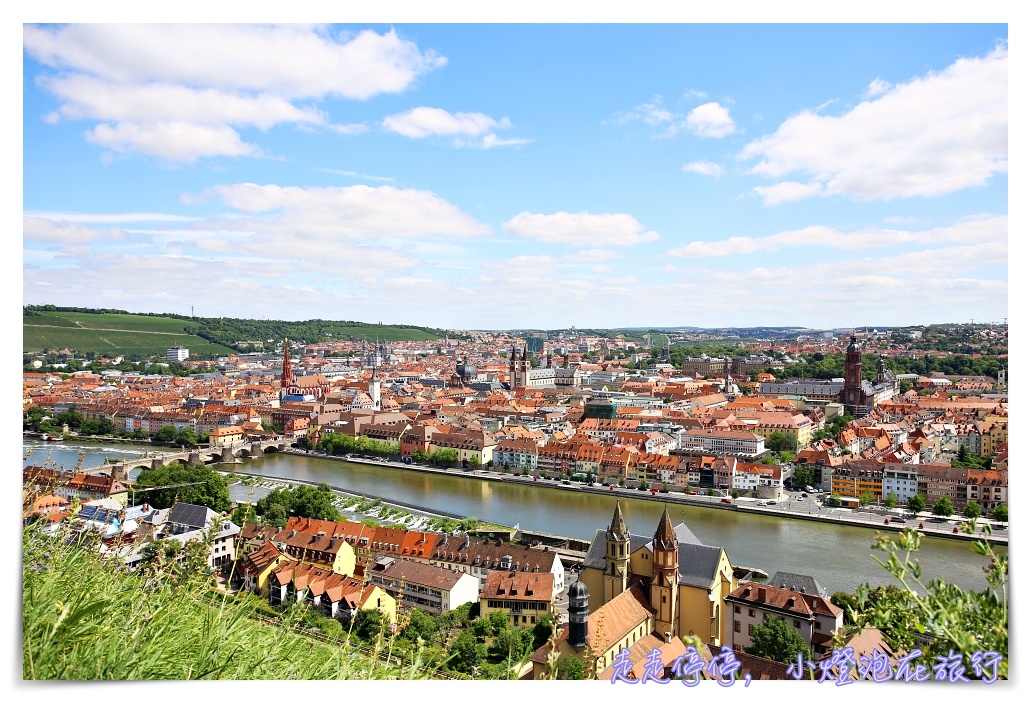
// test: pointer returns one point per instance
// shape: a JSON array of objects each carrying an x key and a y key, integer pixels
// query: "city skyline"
[{"x": 520, "y": 176}]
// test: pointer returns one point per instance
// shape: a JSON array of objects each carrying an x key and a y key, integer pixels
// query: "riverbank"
[{"x": 924, "y": 522}]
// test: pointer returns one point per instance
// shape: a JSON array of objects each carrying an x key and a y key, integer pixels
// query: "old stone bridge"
[{"x": 192, "y": 457}]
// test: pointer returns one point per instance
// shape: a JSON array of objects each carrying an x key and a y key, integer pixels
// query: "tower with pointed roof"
[
  {"x": 851, "y": 396},
  {"x": 286, "y": 384},
  {"x": 664, "y": 589},
  {"x": 617, "y": 566},
  {"x": 374, "y": 387}
]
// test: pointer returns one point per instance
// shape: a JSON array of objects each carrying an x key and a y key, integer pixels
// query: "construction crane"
[{"x": 159, "y": 487}]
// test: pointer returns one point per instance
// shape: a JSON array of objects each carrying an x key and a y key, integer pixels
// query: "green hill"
[{"x": 46, "y": 327}]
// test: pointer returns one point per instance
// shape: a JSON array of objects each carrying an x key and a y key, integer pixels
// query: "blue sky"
[{"x": 520, "y": 175}]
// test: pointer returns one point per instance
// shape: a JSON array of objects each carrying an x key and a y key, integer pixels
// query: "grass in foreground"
[{"x": 85, "y": 618}]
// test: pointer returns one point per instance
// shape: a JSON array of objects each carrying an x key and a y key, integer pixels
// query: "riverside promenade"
[{"x": 787, "y": 507}]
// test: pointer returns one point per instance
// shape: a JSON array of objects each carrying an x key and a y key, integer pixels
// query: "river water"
[{"x": 839, "y": 557}]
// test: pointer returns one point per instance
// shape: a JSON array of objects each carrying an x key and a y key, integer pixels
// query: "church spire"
[
  {"x": 287, "y": 374},
  {"x": 618, "y": 528},
  {"x": 665, "y": 536}
]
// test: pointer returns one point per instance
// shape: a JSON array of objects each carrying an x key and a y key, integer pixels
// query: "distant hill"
[{"x": 119, "y": 332}]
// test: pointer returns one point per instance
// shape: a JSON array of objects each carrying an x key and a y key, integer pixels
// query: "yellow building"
[
  {"x": 524, "y": 597},
  {"x": 637, "y": 589}
]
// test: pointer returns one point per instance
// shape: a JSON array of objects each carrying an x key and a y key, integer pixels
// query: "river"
[{"x": 839, "y": 557}]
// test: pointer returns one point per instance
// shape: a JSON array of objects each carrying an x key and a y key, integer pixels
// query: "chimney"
[
  {"x": 668, "y": 637},
  {"x": 761, "y": 594}
]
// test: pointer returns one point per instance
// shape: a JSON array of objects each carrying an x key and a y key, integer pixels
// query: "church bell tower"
[
  {"x": 616, "y": 557},
  {"x": 664, "y": 589}
]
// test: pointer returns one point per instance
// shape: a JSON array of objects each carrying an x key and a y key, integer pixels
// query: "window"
[
  {"x": 750, "y": 627},
  {"x": 751, "y": 613},
  {"x": 818, "y": 625},
  {"x": 736, "y": 609},
  {"x": 797, "y": 624},
  {"x": 736, "y": 627}
]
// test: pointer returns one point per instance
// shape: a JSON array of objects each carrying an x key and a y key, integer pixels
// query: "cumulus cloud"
[
  {"x": 787, "y": 191},
  {"x": 468, "y": 128},
  {"x": 200, "y": 83},
  {"x": 711, "y": 120},
  {"x": 936, "y": 134},
  {"x": 707, "y": 168},
  {"x": 708, "y": 120},
  {"x": 356, "y": 212},
  {"x": 984, "y": 231},
  {"x": 580, "y": 229}
]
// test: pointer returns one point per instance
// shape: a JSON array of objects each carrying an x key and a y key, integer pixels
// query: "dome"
[{"x": 578, "y": 591}]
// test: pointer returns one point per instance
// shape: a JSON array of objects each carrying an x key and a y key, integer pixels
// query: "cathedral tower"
[
  {"x": 851, "y": 397},
  {"x": 665, "y": 583},
  {"x": 286, "y": 384},
  {"x": 616, "y": 557}
]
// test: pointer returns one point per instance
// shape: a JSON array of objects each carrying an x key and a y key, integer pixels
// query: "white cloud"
[
  {"x": 251, "y": 57},
  {"x": 468, "y": 128},
  {"x": 787, "y": 191},
  {"x": 174, "y": 141},
  {"x": 354, "y": 212},
  {"x": 983, "y": 231},
  {"x": 147, "y": 83},
  {"x": 582, "y": 229},
  {"x": 349, "y": 129},
  {"x": 711, "y": 120},
  {"x": 120, "y": 217},
  {"x": 42, "y": 229},
  {"x": 650, "y": 113},
  {"x": 355, "y": 174},
  {"x": 707, "y": 168},
  {"x": 933, "y": 135},
  {"x": 876, "y": 88}
]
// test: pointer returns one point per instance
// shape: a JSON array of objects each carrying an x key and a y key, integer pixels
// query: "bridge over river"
[{"x": 191, "y": 457}]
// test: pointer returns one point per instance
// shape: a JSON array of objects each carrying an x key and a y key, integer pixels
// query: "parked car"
[
  {"x": 896, "y": 518},
  {"x": 771, "y": 502},
  {"x": 727, "y": 500}
]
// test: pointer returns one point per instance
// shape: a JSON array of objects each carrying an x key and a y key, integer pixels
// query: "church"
[
  {"x": 857, "y": 395},
  {"x": 642, "y": 593}
]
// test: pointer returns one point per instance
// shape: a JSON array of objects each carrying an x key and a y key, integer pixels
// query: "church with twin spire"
[{"x": 644, "y": 593}]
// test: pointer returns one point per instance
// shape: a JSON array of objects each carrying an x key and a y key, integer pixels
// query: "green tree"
[
  {"x": 165, "y": 434},
  {"x": 569, "y": 668},
  {"x": 735, "y": 494},
  {"x": 186, "y": 436},
  {"x": 1001, "y": 512},
  {"x": 369, "y": 624},
  {"x": 302, "y": 501},
  {"x": 865, "y": 498},
  {"x": 499, "y": 621},
  {"x": 778, "y": 640},
  {"x": 834, "y": 500},
  {"x": 420, "y": 626},
  {"x": 917, "y": 503},
  {"x": 212, "y": 491},
  {"x": 847, "y": 602},
  {"x": 276, "y": 515},
  {"x": 943, "y": 507},
  {"x": 446, "y": 457},
  {"x": 468, "y": 524},
  {"x": 803, "y": 476},
  {"x": 946, "y": 618},
  {"x": 467, "y": 653},
  {"x": 511, "y": 644},
  {"x": 778, "y": 441},
  {"x": 542, "y": 630},
  {"x": 481, "y": 627},
  {"x": 971, "y": 510},
  {"x": 891, "y": 500}
]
